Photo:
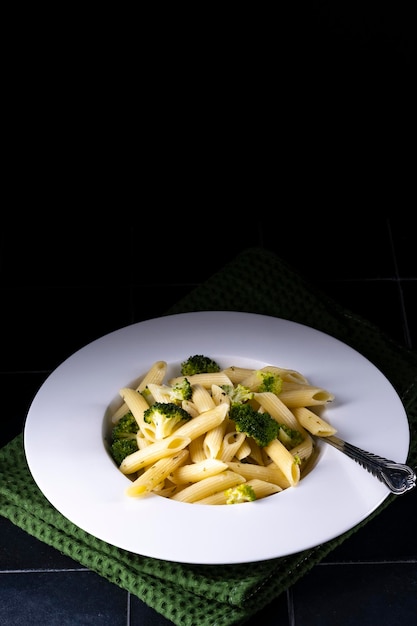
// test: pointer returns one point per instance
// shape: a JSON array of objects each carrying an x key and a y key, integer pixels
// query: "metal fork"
[{"x": 399, "y": 478}]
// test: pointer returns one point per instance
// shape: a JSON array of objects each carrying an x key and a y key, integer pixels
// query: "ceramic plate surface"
[{"x": 66, "y": 453}]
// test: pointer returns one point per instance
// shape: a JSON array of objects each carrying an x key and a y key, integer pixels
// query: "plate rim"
[{"x": 155, "y": 507}]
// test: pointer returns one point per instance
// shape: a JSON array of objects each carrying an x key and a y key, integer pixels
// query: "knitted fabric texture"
[{"x": 256, "y": 281}]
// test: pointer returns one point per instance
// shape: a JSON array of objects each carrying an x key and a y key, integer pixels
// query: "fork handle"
[{"x": 398, "y": 477}]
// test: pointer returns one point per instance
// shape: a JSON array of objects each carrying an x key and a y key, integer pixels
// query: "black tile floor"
[{"x": 69, "y": 289}]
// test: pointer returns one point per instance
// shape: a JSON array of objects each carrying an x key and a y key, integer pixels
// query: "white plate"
[{"x": 65, "y": 449}]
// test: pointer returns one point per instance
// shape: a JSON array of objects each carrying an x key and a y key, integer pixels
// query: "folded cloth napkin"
[{"x": 256, "y": 281}]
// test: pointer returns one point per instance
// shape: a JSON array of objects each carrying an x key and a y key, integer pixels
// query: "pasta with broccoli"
[{"x": 216, "y": 436}]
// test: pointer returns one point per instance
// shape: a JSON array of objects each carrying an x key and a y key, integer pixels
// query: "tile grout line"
[{"x": 51, "y": 570}]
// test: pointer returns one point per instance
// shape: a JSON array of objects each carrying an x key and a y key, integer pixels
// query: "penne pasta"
[
  {"x": 142, "y": 441},
  {"x": 284, "y": 460},
  {"x": 237, "y": 374},
  {"x": 304, "y": 450},
  {"x": 159, "y": 393},
  {"x": 208, "y": 486},
  {"x": 206, "y": 380},
  {"x": 213, "y": 440},
  {"x": 244, "y": 451},
  {"x": 269, "y": 473},
  {"x": 215, "y": 498},
  {"x": 315, "y": 424},
  {"x": 137, "y": 404},
  {"x": 194, "y": 472},
  {"x": 256, "y": 454},
  {"x": 196, "y": 448},
  {"x": 155, "y": 374},
  {"x": 156, "y": 474},
  {"x": 252, "y": 381},
  {"x": 262, "y": 490},
  {"x": 202, "y": 399},
  {"x": 152, "y": 453},
  {"x": 190, "y": 407},
  {"x": 293, "y": 395},
  {"x": 240, "y": 374},
  {"x": 231, "y": 443},
  {"x": 219, "y": 395},
  {"x": 273, "y": 405},
  {"x": 203, "y": 422},
  {"x": 286, "y": 374}
]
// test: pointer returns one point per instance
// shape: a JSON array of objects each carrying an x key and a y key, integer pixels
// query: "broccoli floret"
[
  {"x": 269, "y": 381},
  {"x": 199, "y": 364},
  {"x": 289, "y": 436},
  {"x": 240, "y": 493},
  {"x": 124, "y": 440},
  {"x": 238, "y": 393},
  {"x": 165, "y": 417},
  {"x": 121, "y": 448},
  {"x": 260, "y": 426},
  {"x": 177, "y": 392},
  {"x": 127, "y": 426},
  {"x": 181, "y": 391}
]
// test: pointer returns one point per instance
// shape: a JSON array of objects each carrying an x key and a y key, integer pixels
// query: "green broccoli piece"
[
  {"x": 121, "y": 448},
  {"x": 269, "y": 381},
  {"x": 123, "y": 436},
  {"x": 289, "y": 436},
  {"x": 180, "y": 391},
  {"x": 165, "y": 417},
  {"x": 240, "y": 493},
  {"x": 127, "y": 426},
  {"x": 260, "y": 426},
  {"x": 238, "y": 393},
  {"x": 199, "y": 364},
  {"x": 177, "y": 392}
]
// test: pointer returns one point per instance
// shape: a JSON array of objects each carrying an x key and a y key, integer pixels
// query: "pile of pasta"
[{"x": 206, "y": 456}]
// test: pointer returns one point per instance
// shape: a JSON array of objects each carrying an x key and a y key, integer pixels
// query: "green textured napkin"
[{"x": 256, "y": 281}]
